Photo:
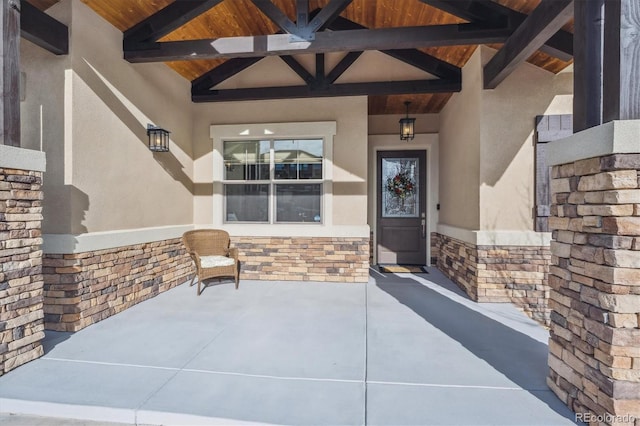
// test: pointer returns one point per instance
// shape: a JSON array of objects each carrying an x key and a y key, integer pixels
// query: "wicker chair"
[{"x": 209, "y": 249}]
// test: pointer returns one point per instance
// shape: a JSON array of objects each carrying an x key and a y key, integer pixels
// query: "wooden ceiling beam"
[
  {"x": 542, "y": 23},
  {"x": 320, "y": 73},
  {"x": 469, "y": 10},
  {"x": 326, "y": 41},
  {"x": 306, "y": 24},
  {"x": 278, "y": 17},
  {"x": 560, "y": 45},
  {"x": 167, "y": 20},
  {"x": 43, "y": 30},
  {"x": 347, "y": 89},
  {"x": 425, "y": 62},
  {"x": 328, "y": 14},
  {"x": 413, "y": 57},
  {"x": 222, "y": 72},
  {"x": 302, "y": 14},
  {"x": 298, "y": 68},
  {"x": 342, "y": 66}
]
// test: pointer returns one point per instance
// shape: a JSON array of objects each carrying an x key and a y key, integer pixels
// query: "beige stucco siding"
[
  {"x": 42, "y": 119},
  {"x": 102, "y": 176},
  {"x": 487, "y": 145},
  {"x": 507, "y": 150},
  {"x": 349, "y": 148},
  {"x": 460, "y": 151}
]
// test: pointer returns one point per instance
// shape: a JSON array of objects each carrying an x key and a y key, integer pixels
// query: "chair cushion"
[{"x": 215, "y": 261}]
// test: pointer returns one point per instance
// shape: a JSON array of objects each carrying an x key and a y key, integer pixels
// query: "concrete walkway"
[{"x": 403, "y": 349}]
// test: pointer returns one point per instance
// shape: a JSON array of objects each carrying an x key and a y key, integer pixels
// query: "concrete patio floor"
[{"x": 403, "y": 349}]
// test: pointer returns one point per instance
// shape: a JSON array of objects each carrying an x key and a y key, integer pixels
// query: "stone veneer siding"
[
  {"x": 83, "y": 288},
  {"x": 595, "y": 279},
  {"x": 21, "y": 297},
  {"x": 499, "y": 274},
  {"x": 335, "y": 259}
]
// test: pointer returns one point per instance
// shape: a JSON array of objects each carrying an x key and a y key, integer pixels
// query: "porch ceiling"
[{"x": 234, "y": 18}]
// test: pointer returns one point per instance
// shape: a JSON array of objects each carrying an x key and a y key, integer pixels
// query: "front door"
[{"x": 402, "y": 220}]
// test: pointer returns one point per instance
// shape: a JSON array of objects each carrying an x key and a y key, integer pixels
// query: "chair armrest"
[
  {"x": 195, "y": 258},
  {"x": 233, "y": 252}
]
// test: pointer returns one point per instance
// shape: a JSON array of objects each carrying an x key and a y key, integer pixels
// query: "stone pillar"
[
  {"x": 21, "y": 284},
  {"x": 594, "y": 276}
]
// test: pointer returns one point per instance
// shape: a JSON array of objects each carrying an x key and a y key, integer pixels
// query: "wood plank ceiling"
[{"x": 242, "y": 18}]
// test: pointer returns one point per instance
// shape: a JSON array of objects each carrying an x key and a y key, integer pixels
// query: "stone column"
[
  {"x": 21, "y": 293},
  {"x": 594, "y": 276}
]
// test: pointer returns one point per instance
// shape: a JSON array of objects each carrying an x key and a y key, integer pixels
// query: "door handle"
[{"x": 423, "y": 222}]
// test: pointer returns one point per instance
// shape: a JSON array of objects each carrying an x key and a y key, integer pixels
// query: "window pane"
[
  {"x": 298, "y": 159},
  {"x": 246, "y": 160},
  {"x": 400, "y": 187},
  {"x": 310, "y": 148},
  {"x": 247, "y": 203},
  {"x": 310, "y": 171},
  {"x": 285, "y": 171},
  {"x": 298, "y": 203}
]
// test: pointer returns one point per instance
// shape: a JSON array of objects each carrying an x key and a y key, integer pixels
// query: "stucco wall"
[
  {"x": 487, "y": 145},
  {"x": 460, "y": 151},
  {"x": 102, "y": 176},
  {"x": 349, "y": 148},
  {"x": 42, "y": 119},
  {"x": 507, "y": 186}
]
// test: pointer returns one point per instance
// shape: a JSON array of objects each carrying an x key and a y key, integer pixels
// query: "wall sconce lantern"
[
  {"x": 406, "y": 125},
  {"x": 158, "y": 138}
]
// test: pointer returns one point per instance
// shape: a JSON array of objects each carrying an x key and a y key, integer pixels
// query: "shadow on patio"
[{"x": 468, "y": 349}]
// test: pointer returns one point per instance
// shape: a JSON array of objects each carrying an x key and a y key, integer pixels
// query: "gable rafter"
[
  {"x": 43, "y": 30},
  {"x": 471, "y": 10},
  {"x": 298, "y": 69},
  {"x": 413, "y": 57},
  {"x": 328, "y": 14},
  {"x": 544, "y": 21},
  {"x": 342, "y": 66},
  {"x": 306, "y": 25},
  {"x": 221, "y": 73},
  {"x": 166, "y": 20},
  {"x": 559, "y": 45}
]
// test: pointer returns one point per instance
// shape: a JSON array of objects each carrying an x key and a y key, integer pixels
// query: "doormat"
[{"x": 403, "y": 268}]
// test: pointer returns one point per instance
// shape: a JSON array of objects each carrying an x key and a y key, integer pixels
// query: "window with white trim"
[{"x": 273, "y": 181}]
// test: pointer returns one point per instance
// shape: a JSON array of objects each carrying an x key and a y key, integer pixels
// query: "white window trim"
[{"x": 303, "y": 130}]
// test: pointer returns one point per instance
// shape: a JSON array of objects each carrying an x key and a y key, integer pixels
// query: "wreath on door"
[{"x": 401, "y": 185}]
